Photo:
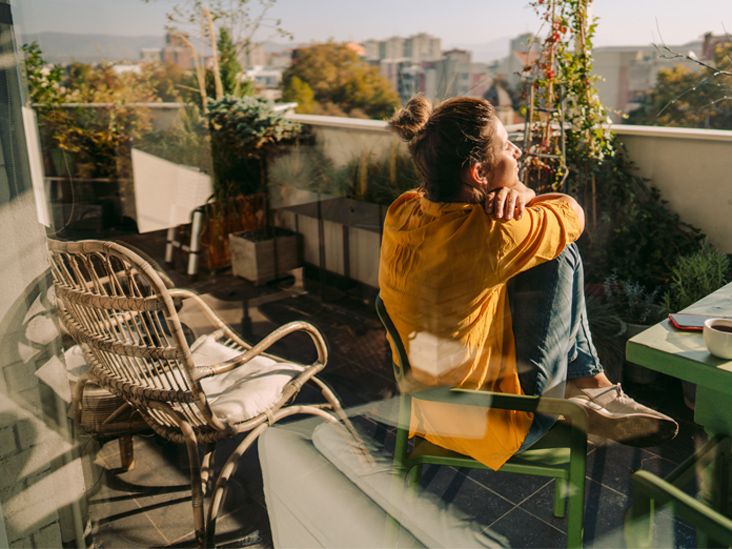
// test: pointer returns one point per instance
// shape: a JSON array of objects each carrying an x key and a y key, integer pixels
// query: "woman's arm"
[
  {"x": 510, "y": 202},
  {"x": 572, "y": 203}
]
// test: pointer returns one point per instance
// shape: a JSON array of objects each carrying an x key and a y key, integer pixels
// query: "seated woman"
[{"x": 484, "y": 284}]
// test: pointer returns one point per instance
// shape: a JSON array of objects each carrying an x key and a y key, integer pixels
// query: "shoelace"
[{"x": 617, "y": 388}]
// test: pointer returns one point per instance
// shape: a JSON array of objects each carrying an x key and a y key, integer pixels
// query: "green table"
[{"x": 683, "y": 355}]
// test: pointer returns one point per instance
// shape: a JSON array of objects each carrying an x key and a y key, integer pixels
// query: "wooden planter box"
[
  {"x": 340, "y": 235},
  {"x": 260, "y": 257}
]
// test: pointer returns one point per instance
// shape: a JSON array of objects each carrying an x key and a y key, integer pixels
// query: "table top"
[{"x": 683, "y": 354}]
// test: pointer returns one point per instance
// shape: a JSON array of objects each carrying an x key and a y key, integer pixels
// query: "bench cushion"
[{"x": 423, "y": 514}]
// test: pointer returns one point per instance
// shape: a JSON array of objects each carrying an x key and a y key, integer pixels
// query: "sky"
[{"x": 622, "y": 22}]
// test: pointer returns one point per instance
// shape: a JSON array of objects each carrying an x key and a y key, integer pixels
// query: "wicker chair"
[{"x": 117, "y": 307}]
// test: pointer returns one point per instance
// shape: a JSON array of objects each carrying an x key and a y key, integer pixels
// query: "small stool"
[{"x": 99, "y": 412}]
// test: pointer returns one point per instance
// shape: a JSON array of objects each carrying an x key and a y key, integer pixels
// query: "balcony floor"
[{"x": 150, "y": 505}]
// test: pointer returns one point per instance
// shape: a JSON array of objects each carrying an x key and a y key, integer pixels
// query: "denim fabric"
[{"x": 553, "y": 341}]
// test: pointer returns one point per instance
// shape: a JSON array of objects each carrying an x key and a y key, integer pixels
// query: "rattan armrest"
[
  {"x": 571, "y": 411},
  {"x": 210, "y": 314},
  {"x": 264, "y": 344}
]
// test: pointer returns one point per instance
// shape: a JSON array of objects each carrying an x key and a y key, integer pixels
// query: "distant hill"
[{"x": 61, "y": 47}]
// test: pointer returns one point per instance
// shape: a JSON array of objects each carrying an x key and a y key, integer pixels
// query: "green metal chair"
[
  {"x": 560, "y": 454},
  {"x": 650, "y": 492}
]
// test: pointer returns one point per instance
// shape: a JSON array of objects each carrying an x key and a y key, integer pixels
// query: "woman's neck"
[{"x": 466, "y": 194}]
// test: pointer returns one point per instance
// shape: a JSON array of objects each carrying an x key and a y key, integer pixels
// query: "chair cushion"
[
  {"x": 424, "y": 515},
  {"x": 247, "y": 390}
]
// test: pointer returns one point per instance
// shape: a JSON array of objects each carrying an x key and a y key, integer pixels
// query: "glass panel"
[
  {"x": 260, "y": 174},
  {"x": 42, "y": 491}
]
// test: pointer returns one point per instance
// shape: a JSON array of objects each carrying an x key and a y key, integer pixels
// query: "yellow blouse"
[{"x": 442, "y": 277}]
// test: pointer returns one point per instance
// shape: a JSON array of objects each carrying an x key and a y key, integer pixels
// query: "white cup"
[{"x": 718, "y": 337}]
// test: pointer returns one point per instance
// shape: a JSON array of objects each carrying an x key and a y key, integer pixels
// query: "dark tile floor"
[{"x": 150, "y": 505}]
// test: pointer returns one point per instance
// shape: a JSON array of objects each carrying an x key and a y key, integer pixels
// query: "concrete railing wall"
[
  {"x": 693, "y": 170},
  {"x": 691, "y": 167}
]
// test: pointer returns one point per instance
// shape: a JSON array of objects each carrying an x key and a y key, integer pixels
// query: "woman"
[{"x": 484, "y": 284}]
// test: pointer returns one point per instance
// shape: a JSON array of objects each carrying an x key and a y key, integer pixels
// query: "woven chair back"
[{"x": 116, "y": 306}]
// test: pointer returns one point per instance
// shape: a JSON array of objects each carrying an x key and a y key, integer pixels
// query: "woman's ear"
[{"x": 478, "y": 174}]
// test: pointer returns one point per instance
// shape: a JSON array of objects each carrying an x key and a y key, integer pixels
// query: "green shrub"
[
  {"x": 631, "y": 301},
  {"x": 695, "y": 276},
  {"x": 244, "y": 132},
  {"x": 635, "y": 235}
]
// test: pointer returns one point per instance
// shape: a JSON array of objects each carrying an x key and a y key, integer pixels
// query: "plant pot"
[
  {"x": 261, "y": 256},
  {"x": 633, "y": 372},
  {"x": 239, "y": 214}
]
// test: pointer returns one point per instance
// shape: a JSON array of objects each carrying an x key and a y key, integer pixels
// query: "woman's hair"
[{"x": 445, "y": 140}]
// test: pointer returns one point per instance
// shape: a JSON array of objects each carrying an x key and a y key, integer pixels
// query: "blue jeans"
[{"x": 553, "y": 341}]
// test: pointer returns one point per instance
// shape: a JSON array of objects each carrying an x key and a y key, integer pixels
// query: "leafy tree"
[
  {"x": 687, "y": 98},
  {"x": 169, "y": 82},
  {"x": 199, "y": 22},
  {"x": 302, "y": 93},
  {"x": 244, "y": 132},
  {"x": 96, "y": 140},
  {"x": 230, "y": 68},
  {"x": 43, "y": 80},
  {"x": 341, "y": 83}
]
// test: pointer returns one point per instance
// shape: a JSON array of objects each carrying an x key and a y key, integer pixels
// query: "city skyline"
[{"x": 468, "y": 22}]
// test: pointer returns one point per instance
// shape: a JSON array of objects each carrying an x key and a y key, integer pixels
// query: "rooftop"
[{"x": 150, "y": 505}]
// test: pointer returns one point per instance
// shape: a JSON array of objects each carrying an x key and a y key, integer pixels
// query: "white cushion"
[
  {"x": 247, "y": 390},
  {"x": 422, "y": 513}
]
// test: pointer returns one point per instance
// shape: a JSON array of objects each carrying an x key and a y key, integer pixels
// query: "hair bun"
[{"x": 412, "y": 118}]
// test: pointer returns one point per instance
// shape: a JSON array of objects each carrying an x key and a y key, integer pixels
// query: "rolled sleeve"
[{"x": 540, "y": 235}]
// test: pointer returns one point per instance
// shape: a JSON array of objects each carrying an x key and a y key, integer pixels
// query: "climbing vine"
[{"x": 565, "y": 117}]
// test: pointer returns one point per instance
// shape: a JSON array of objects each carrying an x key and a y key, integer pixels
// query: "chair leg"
[
  {"x": 638, "y": 529},
  {"x": 194, "y": 465},
  {"x": 560, "y": 495},
  {"x": 222, "y": 482},
  {"x": 335, "y": 404},
  {"x": 413, "y": 475},
  {"x": 576, "y": 489},
  {"x": 229, "y": 468},
  {"x": 126, "y": 452},
  {"x": 207, "y": 466}
]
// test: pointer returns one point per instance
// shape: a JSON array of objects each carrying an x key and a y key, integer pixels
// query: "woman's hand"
[{"x": 508, "y": 202}]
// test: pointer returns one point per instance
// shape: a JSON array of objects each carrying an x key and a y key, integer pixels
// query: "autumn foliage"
[{"x": 332, "y": 79}]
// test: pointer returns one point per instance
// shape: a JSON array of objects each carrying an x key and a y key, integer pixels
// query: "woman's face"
[{"x": 504, "y": 172}]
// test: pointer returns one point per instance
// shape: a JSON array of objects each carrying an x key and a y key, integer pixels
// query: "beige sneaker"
[{"x": 613, "y": 414}]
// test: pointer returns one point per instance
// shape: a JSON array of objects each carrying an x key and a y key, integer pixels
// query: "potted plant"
[
  {"x": 693, "y": 277},
  {"x": 245, "y": 132},
  {"x": 638, "y": 308}
]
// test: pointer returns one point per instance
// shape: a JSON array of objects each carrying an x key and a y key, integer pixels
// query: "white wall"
[
  {"x": 343, "y": 139},
  {"x": 692, "y": 169}
]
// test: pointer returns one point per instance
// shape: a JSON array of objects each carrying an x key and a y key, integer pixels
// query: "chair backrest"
[
  {"x": 401, "y": 368},
  {"x": 117, "y": 307},
  {"x": 400, "y": 362}
]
